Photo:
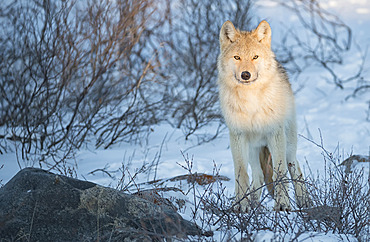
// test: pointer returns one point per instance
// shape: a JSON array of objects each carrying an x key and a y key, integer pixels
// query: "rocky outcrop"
[{"x": 36, "y": 205}]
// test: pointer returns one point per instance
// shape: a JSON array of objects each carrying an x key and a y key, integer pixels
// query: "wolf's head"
[{"x": 245, "y": 56}]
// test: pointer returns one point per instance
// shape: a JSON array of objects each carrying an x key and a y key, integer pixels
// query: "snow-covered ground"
[{"x": 322, "y": 111}]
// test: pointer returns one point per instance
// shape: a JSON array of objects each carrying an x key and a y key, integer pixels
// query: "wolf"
[{"x": 257, "y": 104}]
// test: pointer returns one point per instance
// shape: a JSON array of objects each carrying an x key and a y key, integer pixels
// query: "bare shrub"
[
  {"x": 340, "y": 202},
  {"x": 192, "y": 48},
  {"x": 73, "y": 72},
  {"x": 320, "y": 39},
  {"x": 103, "y": 72},
  {"x": 340, "y": 197},
  {"x": 324, "y": 40},
  {"x": 341, "y": 206}
]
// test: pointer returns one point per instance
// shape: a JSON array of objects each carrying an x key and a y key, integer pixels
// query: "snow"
[
  {"x": 268, "y": 236},
  {"x": 323, "y": 115}
]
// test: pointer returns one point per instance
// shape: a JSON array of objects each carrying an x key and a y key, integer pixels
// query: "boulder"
[{"x": 36, "y": 205}]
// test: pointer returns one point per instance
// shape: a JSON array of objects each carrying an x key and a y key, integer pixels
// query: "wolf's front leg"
[
  {"x": 240, "y": 170},
  {"x": 277, "y": 147},
  {"x": 257, "y": 173},
  {"x": 302, "y": 197}
]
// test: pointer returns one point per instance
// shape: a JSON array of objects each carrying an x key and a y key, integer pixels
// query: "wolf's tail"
[{"x": 266, "y": 165}]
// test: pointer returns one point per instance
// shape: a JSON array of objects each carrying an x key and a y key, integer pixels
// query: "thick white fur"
[{"x": 259, "y": 113}]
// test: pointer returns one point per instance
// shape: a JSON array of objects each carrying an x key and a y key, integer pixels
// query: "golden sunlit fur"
[{"x": 257, "y": 103}]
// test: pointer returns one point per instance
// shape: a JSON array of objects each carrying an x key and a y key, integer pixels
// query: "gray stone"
[{"x": 36, "y": 205}]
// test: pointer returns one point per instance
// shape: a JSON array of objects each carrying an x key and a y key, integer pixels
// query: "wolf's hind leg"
[{"x": 266, "y": 165}]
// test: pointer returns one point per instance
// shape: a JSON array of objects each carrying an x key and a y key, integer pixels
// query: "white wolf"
[{"x": 257, "y": 103}]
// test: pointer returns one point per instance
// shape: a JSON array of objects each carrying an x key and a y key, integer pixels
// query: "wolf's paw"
[
  {"x": 282, "y": 207},
  {"x": 245, "y": 205},
  {"x": 240, "y": 206}
]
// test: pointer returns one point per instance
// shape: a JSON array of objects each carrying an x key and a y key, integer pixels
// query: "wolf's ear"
[
  {"x": 228, "y": 33},
  {"x": 263, "y": 33}
]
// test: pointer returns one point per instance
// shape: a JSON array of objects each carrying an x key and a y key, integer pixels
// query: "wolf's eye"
[
  {"x": 255, "y": 57},
  {"x": 237, "y": 57}
]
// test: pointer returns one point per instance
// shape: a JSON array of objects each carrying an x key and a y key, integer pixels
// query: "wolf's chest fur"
[{"x": 254, "y": 109}]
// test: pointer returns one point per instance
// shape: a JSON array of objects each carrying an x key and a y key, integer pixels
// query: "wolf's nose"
[{"x": 246, "y": 75}]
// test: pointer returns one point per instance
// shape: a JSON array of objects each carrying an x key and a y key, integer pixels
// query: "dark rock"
[{"x": 36, "y": 205}]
